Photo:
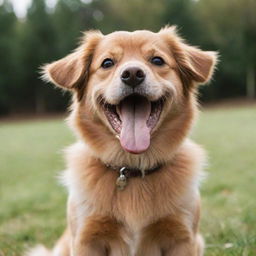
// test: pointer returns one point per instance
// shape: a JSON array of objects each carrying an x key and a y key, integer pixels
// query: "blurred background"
[
  {"x": 32, "y": 135},
  {"x": 40, "y": 31}
]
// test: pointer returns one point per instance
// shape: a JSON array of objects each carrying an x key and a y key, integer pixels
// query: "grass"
[{"x": 32, "y": 204}]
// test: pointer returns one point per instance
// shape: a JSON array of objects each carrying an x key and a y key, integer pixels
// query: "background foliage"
[{"x": 46, "y": 34}]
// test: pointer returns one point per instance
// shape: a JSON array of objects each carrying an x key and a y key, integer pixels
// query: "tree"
[
  {"x": 230, "y": 28},
  {"x": 182, "y": 14},
  {"x": 8, "y": 64},
  {"x": 248, "y": 8},
  {"x": 39, "y": 41},
  {"x": 134, "y": 14}
]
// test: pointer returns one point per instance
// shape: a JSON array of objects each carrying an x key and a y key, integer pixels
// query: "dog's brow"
[
  {"x": 154, "y": 42},
  {"x": 152, "y": 47},
  {"x": 150, "y": 52},
  {"x": 116, "y": 52}
]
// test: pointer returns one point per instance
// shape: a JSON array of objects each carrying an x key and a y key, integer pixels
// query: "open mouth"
[{"x": 133, "y": 119}]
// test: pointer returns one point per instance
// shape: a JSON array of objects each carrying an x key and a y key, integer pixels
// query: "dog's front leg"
[
  {"x": 95, "y": 248},
  {"x": 170, "y": 236},
  {"x": 183, "y": 248},
  {"x": 149, "y": 249},
  {"x": 194, "y": 247},
  {"x": 170, "y": 247},
  {"x": 99, "y": 236}
]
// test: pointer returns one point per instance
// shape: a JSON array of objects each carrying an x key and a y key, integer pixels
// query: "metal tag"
[{"x": 121, "y": 181}]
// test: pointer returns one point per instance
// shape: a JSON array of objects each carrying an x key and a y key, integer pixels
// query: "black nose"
[{"x": 133, "y": 76}]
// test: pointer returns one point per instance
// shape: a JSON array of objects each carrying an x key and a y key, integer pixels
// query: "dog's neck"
[
  {"x": 130, "y": 172},
  {"x": 125, "y": 173},
  {"x": 118, "y": 158}
]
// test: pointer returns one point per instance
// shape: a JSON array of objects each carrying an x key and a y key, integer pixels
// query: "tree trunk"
[
  {"x": 40, "y": 101},
  {"x": 250, "y": 82}
]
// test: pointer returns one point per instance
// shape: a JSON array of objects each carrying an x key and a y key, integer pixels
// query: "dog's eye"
[
  {"x": 158, "y": 61},
  {"x": 107, "y": 63}
]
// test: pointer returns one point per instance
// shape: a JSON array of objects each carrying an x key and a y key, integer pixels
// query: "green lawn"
[{"x": 32, "y": 204}]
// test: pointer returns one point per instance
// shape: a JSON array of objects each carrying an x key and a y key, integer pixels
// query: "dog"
[{"x": 133, "y": 176}]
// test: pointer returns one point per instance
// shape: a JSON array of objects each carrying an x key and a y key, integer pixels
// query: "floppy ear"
[
  {"x": 198, "y": 65},
  {"x": 71, "y": 72},
  {"x": 193, "y": 64}
]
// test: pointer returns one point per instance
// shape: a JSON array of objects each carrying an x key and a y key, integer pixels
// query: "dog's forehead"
[
  {"x": 126, "y": 35},
  {"x": 131, "y": 40}
]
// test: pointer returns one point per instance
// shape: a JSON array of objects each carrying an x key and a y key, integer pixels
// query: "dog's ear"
[
  {"x": 196, "y": 64},
  {"x": 71, "y": 71},
  {"x": 193, "y": 64}
]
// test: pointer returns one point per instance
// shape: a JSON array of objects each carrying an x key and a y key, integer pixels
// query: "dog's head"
[{"x": 134, "y": 92}]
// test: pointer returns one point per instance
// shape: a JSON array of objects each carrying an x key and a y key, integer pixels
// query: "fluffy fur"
[{"x": 155, "y": 215}]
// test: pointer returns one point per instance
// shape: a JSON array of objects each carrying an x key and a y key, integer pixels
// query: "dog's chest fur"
[{"x": 172, "y": 191}]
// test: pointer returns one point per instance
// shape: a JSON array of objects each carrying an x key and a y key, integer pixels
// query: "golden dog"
[{"x": 133, "y": 175}]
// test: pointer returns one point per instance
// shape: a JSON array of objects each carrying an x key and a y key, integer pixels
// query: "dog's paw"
[{"x": 39, "y": 250}]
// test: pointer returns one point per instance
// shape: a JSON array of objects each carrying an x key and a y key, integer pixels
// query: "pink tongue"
[{"x": 135, "y": 134}]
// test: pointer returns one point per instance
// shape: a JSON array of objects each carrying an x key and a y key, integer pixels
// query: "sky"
[{"x": 20, "y": 6}]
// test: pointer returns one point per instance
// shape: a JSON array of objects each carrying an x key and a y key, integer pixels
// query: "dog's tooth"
[{"x": 118, "y": 137}]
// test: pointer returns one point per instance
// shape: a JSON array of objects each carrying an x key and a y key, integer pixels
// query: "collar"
[{"x": 126, "y": 172}]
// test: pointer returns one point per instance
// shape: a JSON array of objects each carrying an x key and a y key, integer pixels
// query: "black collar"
[
  {"x": 126, "y": 172},
  {"x": 134, "y": 172}
]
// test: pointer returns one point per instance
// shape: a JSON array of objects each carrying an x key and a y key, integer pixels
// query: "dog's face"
[
  {"x": 133, "y": 86},
  {"x": 131, "y": 83}
]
